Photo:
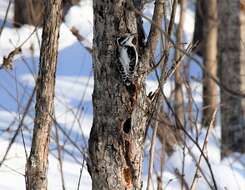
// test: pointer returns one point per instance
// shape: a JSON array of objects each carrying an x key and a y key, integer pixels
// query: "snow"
[
  {"x": 74, "y": 87},
  {"x": 12, "y": 172},
  {"x": 84, "y": 25}
]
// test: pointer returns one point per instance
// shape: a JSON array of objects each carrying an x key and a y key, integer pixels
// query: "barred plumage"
[{"x": 128, "y": 58}]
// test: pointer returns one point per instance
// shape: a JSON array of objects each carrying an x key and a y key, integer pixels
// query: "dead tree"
[
  {"x": 120, "y": 113},
  {"x": 37, "y": 164}
]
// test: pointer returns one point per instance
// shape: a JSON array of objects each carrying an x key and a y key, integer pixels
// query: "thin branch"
[
  {"x": 172, "y": 18},
  {"x": 219, "y": 83},
  {"x": 5, "y": 17},
  {"x": 19, "y": 126},
  {"x": 57, "y": 140},
  {"x": 194, "y": 182},
  {"x": 152, "y": 152},
  {"x": 181, "y": 177},
  {"x": 180, "y": 126},
  {"x": 178, "y": 122},
  {"x": 81, "y": 39},
  {"x": 80, "y": 176},
  {"x": 7, "y": 60}
]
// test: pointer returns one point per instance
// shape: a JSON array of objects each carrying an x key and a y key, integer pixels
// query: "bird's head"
[{"x": 126, "y": 39}]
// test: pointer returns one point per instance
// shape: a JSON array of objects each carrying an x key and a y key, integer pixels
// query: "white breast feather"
[{"x": 124, "y": 59}]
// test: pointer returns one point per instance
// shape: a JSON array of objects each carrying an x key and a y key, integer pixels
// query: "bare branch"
[
  {"x": 81, "y": 39},
  {"x": 5, "y": 17},
  {"x": 194, "y": 182},
  {"x": 19, "y": 126}
]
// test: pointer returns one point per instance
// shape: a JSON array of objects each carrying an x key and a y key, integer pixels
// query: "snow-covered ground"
[{"x": 74, "y": 88}]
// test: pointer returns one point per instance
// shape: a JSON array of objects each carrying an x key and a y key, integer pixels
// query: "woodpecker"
[{"x": 128, "y": 58}]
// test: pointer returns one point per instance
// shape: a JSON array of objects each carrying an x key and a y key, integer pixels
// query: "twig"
[
  {"x": 19, "y": 126},
  {"x": 57, "y": 140},
  {"x": 5, "y": 17},
  {"x": 220, "y": 84},
  {"x": 181, "y": 177},
  {"x": 183, "y": 167},
  {"x": 67, "y": 136},
  {"x": 7, "y": 61},
  {"x": 172, "y": 18},
  {"x": 194, "y": 181},
  {"x": 81, "y": 38},
  {"x": 152, "y": 152},
  {"x": 180, "y": 126},
  {"x": 80, "y": 176}
]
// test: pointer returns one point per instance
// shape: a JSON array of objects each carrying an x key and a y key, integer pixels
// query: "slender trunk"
[
  {"x": 231, "y": 61},
  {"x": 198, "y": 32},
  {"x": 242, "y": 57},
  {"x": 117, "y": 137},
  {"x": 179, "y": 99},
  {"x": 210, "y": 31},
  {"x": 37, "y": 164}
]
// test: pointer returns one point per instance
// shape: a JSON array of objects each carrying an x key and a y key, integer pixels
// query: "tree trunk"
[
  {"x": 231, "y": 58},
  {"x": 31, "y": 11},
  {"x": 198, "y": 31},
  {"x": 179, "y": 97},
  {"x": 36, "y": 168},
  {"x": 120, "y": 113},
  {"x": 210, "y": 31},
  {"x": 28, "y": 12}
]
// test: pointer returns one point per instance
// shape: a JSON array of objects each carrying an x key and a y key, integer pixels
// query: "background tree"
[
  {"x": 210, "y": 32},
  {"x": 32, "y": 11},
  {"x": 28, "y": 12},
  {"x": 198, "y": 29},
  {"x": 179, "y": 96},
  {"x": 206, "y": 31},
  {"x": 36, "y": 168},
  {"x": 231, "y": 58}
]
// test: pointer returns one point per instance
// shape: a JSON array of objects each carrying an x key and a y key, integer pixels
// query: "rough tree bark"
[
  {"x": 210, "y": 32},
  {"x": 36, "y": 168},
  {"x": 231, "y": 58},
  {"x": 120, "y": 113}
]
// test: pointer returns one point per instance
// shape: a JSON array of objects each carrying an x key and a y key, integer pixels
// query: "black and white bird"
[{"x": 128, "y": 58}]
